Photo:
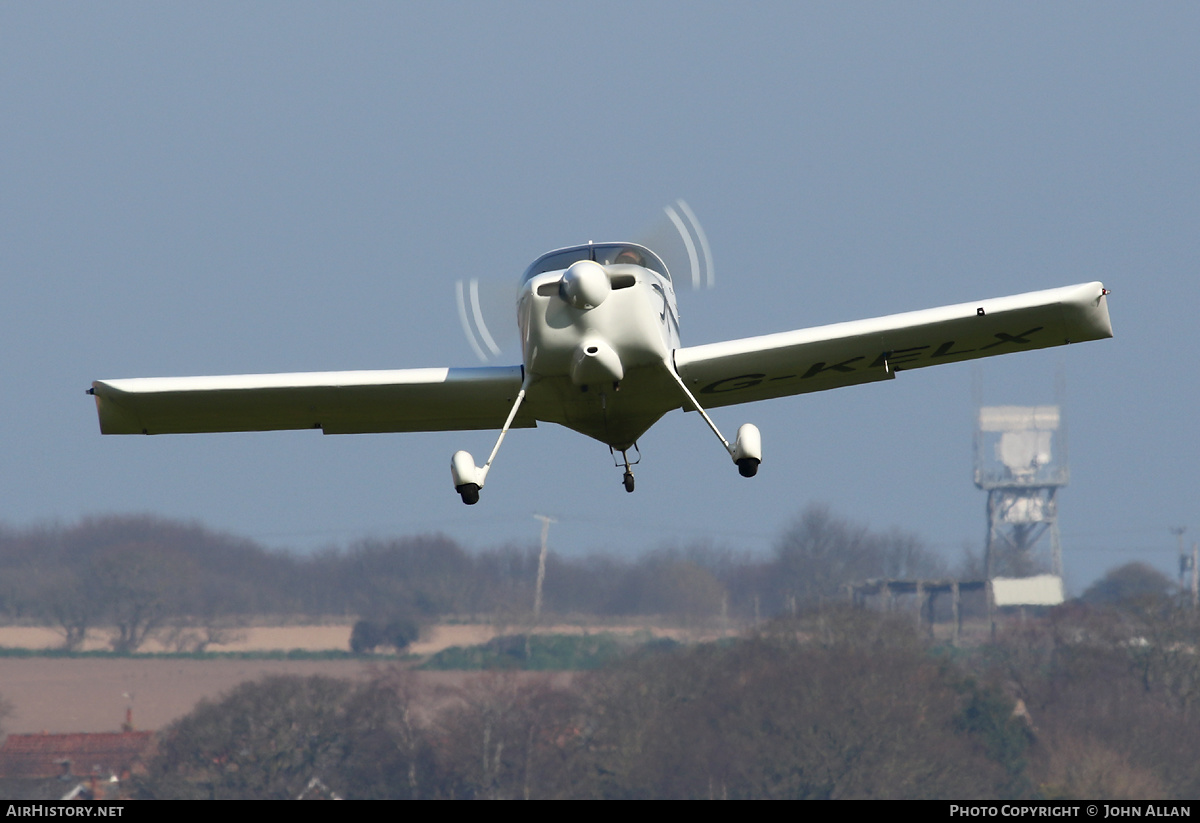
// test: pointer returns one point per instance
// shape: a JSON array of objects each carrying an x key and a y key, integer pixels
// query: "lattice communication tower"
[{"x": 1021, "y": 462}]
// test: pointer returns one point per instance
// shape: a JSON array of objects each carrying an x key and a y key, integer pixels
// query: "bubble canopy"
[{"x": 606, "y": 254}]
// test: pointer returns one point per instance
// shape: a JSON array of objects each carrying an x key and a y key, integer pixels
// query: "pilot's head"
[{"x": 630, "y": 256}]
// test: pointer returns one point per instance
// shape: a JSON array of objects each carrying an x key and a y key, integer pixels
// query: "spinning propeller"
[
  {"x": 487, "y": 308},
  {"x": 664, "y": 238}
]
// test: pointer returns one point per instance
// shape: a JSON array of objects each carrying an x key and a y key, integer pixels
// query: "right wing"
[
  {"x": 863, "y": 351},
  {"x": 350, "y": 402}
]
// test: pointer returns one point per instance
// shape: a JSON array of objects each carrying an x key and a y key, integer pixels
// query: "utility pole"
[
  {"x": 541, "y": 574},
  {"x": 1184, "y": 559},
  {"x": 1195, "y": 575}
]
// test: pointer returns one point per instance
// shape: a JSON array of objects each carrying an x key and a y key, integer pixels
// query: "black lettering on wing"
[
  {"x": 742, "y": 381},
  {"x": 946, "y": 350},
  {"x": 844, "y": 366},
  {"x": 897, "y": 357},
  {"x": 1021, "y": 339}
]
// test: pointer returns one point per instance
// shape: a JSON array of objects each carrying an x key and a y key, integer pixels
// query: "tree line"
[{"x": 138, "y": 576}]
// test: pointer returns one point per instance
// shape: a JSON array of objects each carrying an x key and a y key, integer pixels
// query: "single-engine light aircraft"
[{"x": 601, "y": 355}]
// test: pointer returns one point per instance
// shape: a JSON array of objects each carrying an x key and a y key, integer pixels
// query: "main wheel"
[
  {"x": 469, "y": 492},
  {"x": 748, "y": 466},
  {"x": 628, "y": 481}
]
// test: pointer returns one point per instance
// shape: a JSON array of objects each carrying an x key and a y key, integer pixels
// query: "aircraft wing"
[
  {"x": 348, "y": 402},
  {"x": 863, "y": 351}
]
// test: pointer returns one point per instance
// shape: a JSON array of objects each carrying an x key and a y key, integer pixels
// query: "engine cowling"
[{"x": 585, "y": 285}]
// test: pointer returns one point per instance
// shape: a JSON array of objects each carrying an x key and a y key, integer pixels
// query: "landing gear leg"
[
  {"x": 469, "y": 478},
  {"x": 746, "y": 451},
  {"x": 627, "y": 478}
]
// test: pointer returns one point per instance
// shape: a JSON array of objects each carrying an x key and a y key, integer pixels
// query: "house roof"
[{"x": 103, "y": 754}]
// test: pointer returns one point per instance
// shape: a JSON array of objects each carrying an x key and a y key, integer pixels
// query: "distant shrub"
[
  {"x": 539, "y": 652},
  {"x": 398, "y": 632}
]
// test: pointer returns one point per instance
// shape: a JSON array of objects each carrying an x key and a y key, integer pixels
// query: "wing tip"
[{"x": 113, "y": 418}]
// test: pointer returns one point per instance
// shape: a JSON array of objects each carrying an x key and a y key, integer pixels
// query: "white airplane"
[{"x": 601, "y": 355}]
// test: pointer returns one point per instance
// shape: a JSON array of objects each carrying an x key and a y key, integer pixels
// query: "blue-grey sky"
[{"x": 254, "y": 187}]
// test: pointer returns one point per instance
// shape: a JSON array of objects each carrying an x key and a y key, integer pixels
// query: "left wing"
[
  {"x": 863, "y": 351},
  {"x": 349, "y": 402}
]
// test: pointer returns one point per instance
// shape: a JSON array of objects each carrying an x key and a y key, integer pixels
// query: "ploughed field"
[{"x": 92, "y": 694}]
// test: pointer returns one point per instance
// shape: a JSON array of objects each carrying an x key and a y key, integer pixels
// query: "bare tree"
[
  {"x": 781, "y": 716},
  {"x": 510, "y": 736},
  {"x": 263, "y": 740},
  {"x": 142, "y": 585},
  {"x": 820, "y": 553},
  {"x": 267, "y": 739},
  {"x": 68, "y": 601}
]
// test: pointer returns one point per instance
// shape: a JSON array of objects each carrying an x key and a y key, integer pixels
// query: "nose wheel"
[{"x": 623, "y": 460}]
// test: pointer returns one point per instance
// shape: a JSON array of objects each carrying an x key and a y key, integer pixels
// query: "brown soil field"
[
  {"x": 58, "y": 695},
  {"x": 336, "y": 636},
  {"x": 92, "y": 695}
]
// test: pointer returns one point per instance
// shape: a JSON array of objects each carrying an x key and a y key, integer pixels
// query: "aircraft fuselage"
[{"x": 596, "y": 338}]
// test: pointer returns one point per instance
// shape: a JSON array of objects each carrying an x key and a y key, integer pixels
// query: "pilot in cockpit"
[{"x": 630, "y": 256}]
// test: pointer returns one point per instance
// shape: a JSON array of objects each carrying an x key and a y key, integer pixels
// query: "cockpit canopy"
[{"x": 603, "y": 253}]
